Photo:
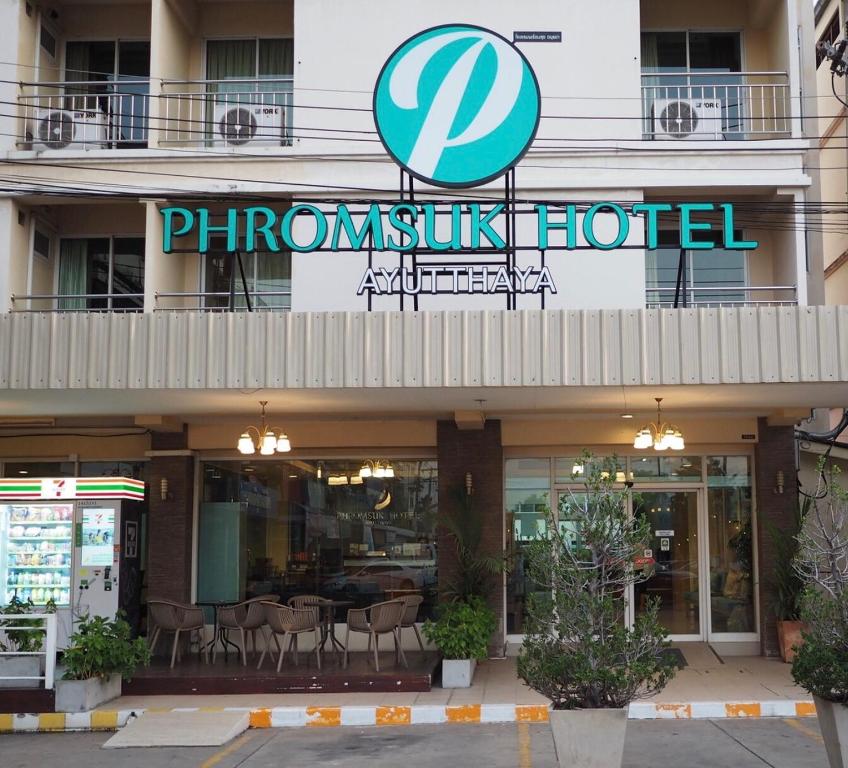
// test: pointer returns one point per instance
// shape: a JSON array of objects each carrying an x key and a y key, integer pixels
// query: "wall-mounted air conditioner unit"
[
  {"x": 70, "y": 129},
  {"x": 687, "y": 119},
  {"x": 253, "y": 125}
]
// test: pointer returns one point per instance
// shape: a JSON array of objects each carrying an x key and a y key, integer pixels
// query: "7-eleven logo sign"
[{"x": 58, "y": 488}]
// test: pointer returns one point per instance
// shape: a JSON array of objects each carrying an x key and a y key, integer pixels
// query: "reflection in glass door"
[{"x": 673, "y": 516}]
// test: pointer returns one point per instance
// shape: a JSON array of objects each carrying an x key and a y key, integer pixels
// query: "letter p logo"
[{"x": 457, "y": 105}]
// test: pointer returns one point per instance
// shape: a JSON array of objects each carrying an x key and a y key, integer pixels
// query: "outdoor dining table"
[
  {"x": 218, "y": 632},
  {"x": 328, "y": 621}
]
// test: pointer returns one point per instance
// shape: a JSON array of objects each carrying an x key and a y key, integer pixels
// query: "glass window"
[
  {"x": 830, "y": 35},
  {"x": 528, "y": 504},
  {"x": 671, "y": 468},
  {"x": 284, "y": 528},
  {"x": 109, "y": 270},
  {"x": 729, "y": 507},
  {"x": 704, "y": 277},
  {"x": 267, "y": 278},
  {"x": 571, "y": 469},
  {"x": 39, "y": 469},
  {"x": 134, "y": 469}
]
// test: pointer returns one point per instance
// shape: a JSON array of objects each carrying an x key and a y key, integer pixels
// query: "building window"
[
  {"x": 528, "y": 507},
  {"x": 729, "y": 509},
  {"x": 267, "y": 279},
  {"x": 830, "y": 36},
  {"x": 112, "y": 77},
  {"x": 39, "y": 469},
  {"x": 103, "y": 272},
  {"x": 283, "y": 528},
  {"x": 694, "y": 277}
]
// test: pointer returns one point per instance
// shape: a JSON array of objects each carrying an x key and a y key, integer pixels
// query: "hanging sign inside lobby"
[{"x": 455, "y": 106}]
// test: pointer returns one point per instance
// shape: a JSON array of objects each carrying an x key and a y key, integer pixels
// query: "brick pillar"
[
  {"x": 775, "y": 451},
  {"x": 169, "y": 521},
  {"x": 480, "y": 453}
]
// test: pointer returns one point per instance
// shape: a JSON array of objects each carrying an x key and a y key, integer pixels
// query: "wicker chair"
[
  {"x": 410, "y": 616},
  {"x": 379, "y": 619},
  {"x": 247, "y": 618},
  {"x": 168, "y": 616},
  {"x": 284, "y": 620}
]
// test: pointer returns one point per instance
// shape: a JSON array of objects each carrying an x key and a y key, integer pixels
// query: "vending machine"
[{"x": 72, "y": 542}]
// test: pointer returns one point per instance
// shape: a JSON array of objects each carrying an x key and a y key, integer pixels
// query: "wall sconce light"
[
  {"x": 469, "y": 484},
  {"x": 163, "y": 489},
  {"x": 779, "y": 482}
]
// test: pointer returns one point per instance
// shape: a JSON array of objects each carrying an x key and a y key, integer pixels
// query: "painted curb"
[{"x": 426, "y": 714}]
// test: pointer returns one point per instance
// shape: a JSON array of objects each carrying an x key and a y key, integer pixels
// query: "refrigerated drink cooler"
[{"x": 74, "y": 542}]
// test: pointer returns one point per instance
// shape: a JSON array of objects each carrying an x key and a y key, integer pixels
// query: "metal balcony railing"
[
  {"x": 92, "y": 114},
  {"x": 78, "y": 302},
  {"x": 223, "y": 301},
  {"x": 723, "y": 296},
  {"x": 227, "y": 114},
  {"x": 715, "y": 105}
]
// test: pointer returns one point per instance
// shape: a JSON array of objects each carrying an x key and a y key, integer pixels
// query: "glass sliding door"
[{"x": 674, "y": 555}]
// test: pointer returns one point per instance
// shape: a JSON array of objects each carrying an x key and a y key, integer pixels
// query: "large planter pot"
[
  {"x": 458, "y": 673},
  {"x": 85, "y": 695},
  {"x": 788, "y": 637},
  {"x": 20, "y": 666},
  {"x": 833, "y": 722},
  {"x": 589, "y": 738}
]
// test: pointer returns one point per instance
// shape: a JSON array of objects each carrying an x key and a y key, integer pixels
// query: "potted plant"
[
  {"x": 786, "y": 584},
  {"x": 578, "y": 649},
  {"x": 465, "y": 623},
  {"x": 100, "y": 654},
  {"x": 461, "y": 632},
  {"x": 821, "y": 662},
  {"x": 21, "y": 635}
]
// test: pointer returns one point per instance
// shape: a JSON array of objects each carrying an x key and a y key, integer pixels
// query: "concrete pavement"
[{"x": 763, "y": 743}]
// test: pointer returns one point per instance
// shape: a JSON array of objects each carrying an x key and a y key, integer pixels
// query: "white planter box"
[
  {"x": 85, "y": 695},
  {"x": 20, "y": 666},
  {"x": 589, "y": 738},
  {"x": 457, "y": 673},
  {"x": 833, "y": 722}
]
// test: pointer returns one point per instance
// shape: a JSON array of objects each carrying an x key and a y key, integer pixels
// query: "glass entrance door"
[{"x": 674, "y": 550}]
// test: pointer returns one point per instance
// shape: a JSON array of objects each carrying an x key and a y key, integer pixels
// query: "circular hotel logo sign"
[{"x": 457, "y": 105}]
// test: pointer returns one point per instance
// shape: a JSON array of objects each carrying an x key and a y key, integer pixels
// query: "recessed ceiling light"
[
  {"x": 293, "y": 477},
  {"x": 626, "y": 415},
  {"x": 23, "y": 471}
]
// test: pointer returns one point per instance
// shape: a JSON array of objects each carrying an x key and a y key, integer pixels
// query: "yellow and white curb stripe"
[{"x": 427, "y": 714}]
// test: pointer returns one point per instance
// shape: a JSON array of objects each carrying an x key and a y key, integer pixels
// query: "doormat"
[{"x": 675, "y": 654}]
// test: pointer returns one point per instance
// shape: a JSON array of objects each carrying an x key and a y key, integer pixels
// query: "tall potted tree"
[
  {"x": 821, "y": 662},
  {"x": 578, "y": 649},
  {"x": 786, "y": 584},
  {"x": 464, "y": 622}
]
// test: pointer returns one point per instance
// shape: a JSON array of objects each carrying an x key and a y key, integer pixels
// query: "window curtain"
[
  {"x": 273, "y": 273},
  {"x": 276, "y": 60},
  {"x": 230, "y": 60},
  {"x": 73, "y": 273}
]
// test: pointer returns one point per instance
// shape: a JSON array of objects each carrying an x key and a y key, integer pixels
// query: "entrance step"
[{"x": 180, "y": 729}]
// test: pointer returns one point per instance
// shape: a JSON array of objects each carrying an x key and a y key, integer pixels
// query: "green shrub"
[
  {"x": 28, "y": 635},
  {"x": 462, "y": 629},
  {"x": 578, "y": 650},
  {"x": 101, "y": 648},
  {"x": 821, "y": 661}
]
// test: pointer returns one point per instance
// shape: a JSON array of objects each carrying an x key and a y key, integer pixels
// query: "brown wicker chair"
[
  {"x": 410, "y": 616},
  {"x": 247, "y": 618},
  {"x": 284, "y": 620},
  {"x": 168, "y": 616},
  {"x": 379, "y": 619}
]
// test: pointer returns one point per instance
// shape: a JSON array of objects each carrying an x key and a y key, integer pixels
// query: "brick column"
[
  {"x": 169, "y": 521},
  {"x": 775, "y": 451},
  {"x": 480, "y": 453}
]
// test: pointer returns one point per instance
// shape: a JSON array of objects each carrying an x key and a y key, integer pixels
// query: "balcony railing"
[
  {"x": 93, "y": 114},
  {"x": 715, "y": 105},
  {"x": 223, "y": 301},
  {"x": 242, "y": 113},
  {"x": 724, "y": 296},
  {"x": 78, "y": 302}
]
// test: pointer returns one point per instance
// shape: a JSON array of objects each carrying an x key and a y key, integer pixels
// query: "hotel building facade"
[{"x": 147, "y": 313}]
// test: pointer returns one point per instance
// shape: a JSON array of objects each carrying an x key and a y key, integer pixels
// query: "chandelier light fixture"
[
  {"x": 661, "y": 435},
  {"x": 381, "y": 469},
  {"x": 267, "y": 440}
]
